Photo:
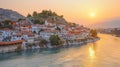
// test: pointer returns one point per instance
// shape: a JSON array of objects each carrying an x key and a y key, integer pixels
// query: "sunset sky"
[{"x": 79, "y": 11}]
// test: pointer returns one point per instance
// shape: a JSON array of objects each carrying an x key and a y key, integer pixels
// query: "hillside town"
[{"x": 24, "y": 34}]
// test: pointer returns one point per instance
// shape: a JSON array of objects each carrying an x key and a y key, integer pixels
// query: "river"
[{"x": 103, "y": 53}]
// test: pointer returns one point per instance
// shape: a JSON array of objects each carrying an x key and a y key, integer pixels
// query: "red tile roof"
[{"x": 11, "y": 42}]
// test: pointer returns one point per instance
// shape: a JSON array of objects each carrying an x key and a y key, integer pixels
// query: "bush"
[
  {"x": 38, "y": 22},
  {"x": 93, "y": 33},
  {"x": 55, "y": 40},
  {"x": 19, "y": 48}
]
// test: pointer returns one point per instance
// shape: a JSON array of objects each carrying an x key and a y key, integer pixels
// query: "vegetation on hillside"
[
  {"x": 58, "y": 29},
  {"x": 55, "y": 40},
  {"x": 93, "y": 33},
  {"x": 43, "y": 43},
  {"x": 19, "y": 48},
  {"x": 39, "y": 18},
  {"x": 5, "y": 24}
]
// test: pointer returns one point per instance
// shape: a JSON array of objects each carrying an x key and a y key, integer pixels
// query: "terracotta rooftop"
[{"x": 11, "y": 42}]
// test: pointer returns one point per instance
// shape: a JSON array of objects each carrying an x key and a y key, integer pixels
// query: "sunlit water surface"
[{"x": 103, "y": 53}]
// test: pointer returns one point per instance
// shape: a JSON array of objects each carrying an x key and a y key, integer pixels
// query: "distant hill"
[
  {"x": 6, "y": 14},
  {"x": 110, "y": 23}
]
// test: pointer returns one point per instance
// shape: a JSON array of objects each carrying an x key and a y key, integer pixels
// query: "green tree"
[
  {"x": 58, "y": 29},
  {"x": 35, "y": 14},
  {"x": 19, "y": 48},
  {"x": 20, "y": 19},
  {"x": 55, "y": 40},
  {"x": 61, "y": 16},
  {"x": 30, "y": 45},
  {"x": 29, "y": 15},
  {"x": 93, "y": 33},
  {"x": 38, "y": 22},
  {"x": 43, "y": 43},
  {"x": 5, "y": 24}
]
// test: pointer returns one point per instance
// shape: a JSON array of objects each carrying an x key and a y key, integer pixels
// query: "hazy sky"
[{"x": 73, "y": 10}]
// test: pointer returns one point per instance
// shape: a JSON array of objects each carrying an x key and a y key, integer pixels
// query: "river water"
[{"x": 103, "y": 53}]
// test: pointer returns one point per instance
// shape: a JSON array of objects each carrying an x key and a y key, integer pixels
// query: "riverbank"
[{"x": 66, "y": 44}]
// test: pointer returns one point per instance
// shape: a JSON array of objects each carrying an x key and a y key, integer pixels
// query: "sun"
[{"x": 92, "y": 14}]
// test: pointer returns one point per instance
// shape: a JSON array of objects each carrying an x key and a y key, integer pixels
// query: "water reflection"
[
  {"x": 28, "y": 53},
  {"x": 92, "y": 53}
]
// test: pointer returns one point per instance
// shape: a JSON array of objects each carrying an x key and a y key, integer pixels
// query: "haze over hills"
[
  {"x": 110, "y": 23},
  {"x": 6, "y": 14}
]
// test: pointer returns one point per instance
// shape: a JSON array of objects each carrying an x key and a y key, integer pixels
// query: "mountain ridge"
[{"x": 7, "y": 14}]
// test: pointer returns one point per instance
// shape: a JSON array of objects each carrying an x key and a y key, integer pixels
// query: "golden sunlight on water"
[
  {"x": 91, "y": 52},
  {"x": 91, "y": 55}
]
